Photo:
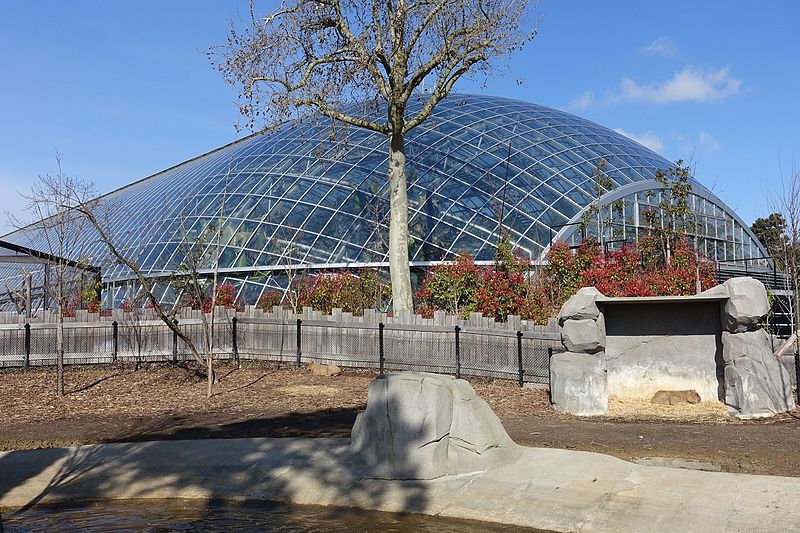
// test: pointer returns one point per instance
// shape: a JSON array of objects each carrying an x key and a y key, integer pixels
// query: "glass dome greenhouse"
[{"x": 315, "y": 197}]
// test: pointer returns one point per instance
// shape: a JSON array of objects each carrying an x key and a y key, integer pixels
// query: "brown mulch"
[{"x": 112, "y": 404}]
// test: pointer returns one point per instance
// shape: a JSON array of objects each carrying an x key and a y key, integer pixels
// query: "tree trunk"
[
  {"x": 210, "y": 374},
  {"x": 399, "y": 270},
  {"x": 60, "y": 348}
]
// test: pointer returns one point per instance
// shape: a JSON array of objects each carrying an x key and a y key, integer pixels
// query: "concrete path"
[{"x": 544, "y": 488}]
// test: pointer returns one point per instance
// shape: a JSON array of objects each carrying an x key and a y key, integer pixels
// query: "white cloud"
[
  {"x": 698, "y": 145},
  {"x": 663, "y": 46},
  {"x": 707, "y": 143},
  {"x": 648, "y": 139},
  {"x": 691, "y": 84},
  {"x": 583, "y": 101}
]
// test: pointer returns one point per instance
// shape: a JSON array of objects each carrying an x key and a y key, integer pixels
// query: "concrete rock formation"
[
  {"x": 756, "y": 384},
  {"x": 584, "y": 336},
  {"x": 581, "y": 306},
  {"x": 578, "y": 384},
  {"x": 755, "y": 389},
  {"x": 578, "y": 378},
  {"x": 751, "y": 344},
  {"x": 423, "y": 426},
  {"x": 747, "y": 305},
  {"x": 627, "y": 358}
]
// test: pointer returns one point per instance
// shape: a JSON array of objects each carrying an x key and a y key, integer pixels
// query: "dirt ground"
[{"x": 112, "y": 404}]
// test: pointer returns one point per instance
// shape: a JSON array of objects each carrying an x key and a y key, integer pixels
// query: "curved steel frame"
[{"x": 568, "y": 230}]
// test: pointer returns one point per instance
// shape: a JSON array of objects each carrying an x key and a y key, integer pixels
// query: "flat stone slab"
[{"x": 548, "y": 489}]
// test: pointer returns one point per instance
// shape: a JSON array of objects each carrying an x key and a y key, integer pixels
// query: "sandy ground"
[{"x": 161, "y": 402}]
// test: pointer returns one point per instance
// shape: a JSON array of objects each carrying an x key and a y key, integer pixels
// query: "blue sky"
[{"x": 124, "y": 89}]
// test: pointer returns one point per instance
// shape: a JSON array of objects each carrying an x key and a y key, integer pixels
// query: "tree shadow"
[
  {"x": 327, "y": 423},
  {"x": 94, "y": 383},
  {"x": 240, "y": 387},
  {"x": 160, "y": 464}
]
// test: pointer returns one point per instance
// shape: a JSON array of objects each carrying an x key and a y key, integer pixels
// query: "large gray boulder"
[
  {"x": 747, "y": 305},
  {"x": 422, "y": 426},
  {"x": 756, "y": 389},
  {"x": 578, "y": 383},
  {"x": 752, "y": 344},
  {"x": 585, "y": 336},
  {"x": 581, "y": 306}
]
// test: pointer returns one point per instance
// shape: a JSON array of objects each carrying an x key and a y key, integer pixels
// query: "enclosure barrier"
[{"x": 514, "y": 349}]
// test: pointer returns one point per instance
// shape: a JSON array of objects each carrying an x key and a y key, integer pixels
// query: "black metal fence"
[{"x": 476, "y": 347}]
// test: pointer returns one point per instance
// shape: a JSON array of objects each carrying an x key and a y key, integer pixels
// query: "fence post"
[
  {"x": 175, "y": 346},
  {"x": 299, "y": 342},
  {"x": 235, "y": 341},
  {"x": 458, "y": 352},
  {"x": 519, "y": 359},
  {"x": 381, "y": 355},
  {"x": 27, "y": 360},
  {"x": 114, "y": 340}
]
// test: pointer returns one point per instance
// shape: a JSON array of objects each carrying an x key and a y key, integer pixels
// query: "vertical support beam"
[
  {"x": 114, "y": 341},
  {"x": 381, "y": 356},
  {"x": 235, "y": 340},
  {"x": 299, "y": 342},
  {"x": 458, "y": 352},
  {"x": 519, "y": 359},
  {"x": 27, "y": 361}
]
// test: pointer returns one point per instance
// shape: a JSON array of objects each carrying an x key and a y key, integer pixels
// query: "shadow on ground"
[
  {"x": 328, "y": 423},
  {"x": 312, "y": 471}
]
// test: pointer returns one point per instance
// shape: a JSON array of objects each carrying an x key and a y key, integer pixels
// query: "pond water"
[{"x": 163, "y": 516}]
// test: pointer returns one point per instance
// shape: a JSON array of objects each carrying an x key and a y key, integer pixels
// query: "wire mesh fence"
[{"x": 445, "y": 345}]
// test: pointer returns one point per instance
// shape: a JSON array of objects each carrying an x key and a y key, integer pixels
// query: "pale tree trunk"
[{"x": 398, "y": 227}]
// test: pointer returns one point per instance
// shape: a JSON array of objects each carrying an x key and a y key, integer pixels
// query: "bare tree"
[
  {"x": 785, "y": 200},
  {"x": 321, "y": 57},
  {"x": 59, "y": 230},
  {"x": 97, "y": 215}
]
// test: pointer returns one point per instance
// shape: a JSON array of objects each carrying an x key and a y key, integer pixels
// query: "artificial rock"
[
  {"x": 578, "y": 383},
  {"x": 747, "y": 305},
  {"x": 752, "y": 344},
  {"x": 421, "y": 426},
  {"x": 755, "y": 389},
  {"x": 585, "y": 336},
  {"x": 580, "y": 306}
]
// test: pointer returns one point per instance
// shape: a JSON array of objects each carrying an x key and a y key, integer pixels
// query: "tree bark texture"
[{"x": 402, "y": 299}]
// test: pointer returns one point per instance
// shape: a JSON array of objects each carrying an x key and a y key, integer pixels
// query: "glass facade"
[{"x": 316, "y": 196}]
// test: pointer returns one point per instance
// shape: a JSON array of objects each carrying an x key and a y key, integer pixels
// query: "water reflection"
[{"x": 163, "y": 516}]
